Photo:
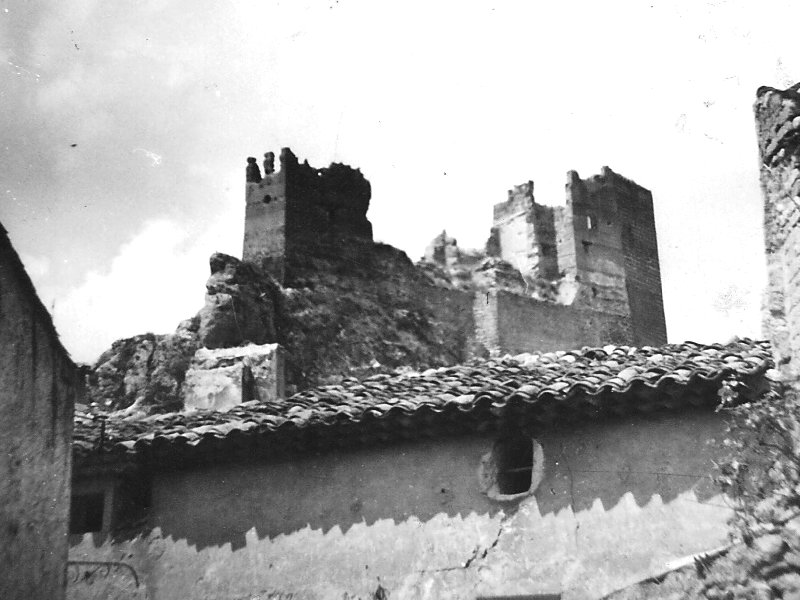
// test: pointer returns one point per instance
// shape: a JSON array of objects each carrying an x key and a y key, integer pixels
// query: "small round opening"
[{"x": 267, "y": 199}]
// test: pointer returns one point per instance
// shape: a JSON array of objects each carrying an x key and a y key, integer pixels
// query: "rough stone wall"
[
  {"x": 38, "y": 384},
  {"x": 487, "y": 333},
  {"x": 616, "y": 251},
  {"x": 617, "y": 501},
  {"x": 778, "y": 127},
  {"x": 525, "y": 323},
  {"x": 298, "y": 203}
]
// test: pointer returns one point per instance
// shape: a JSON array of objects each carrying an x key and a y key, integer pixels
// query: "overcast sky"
[{"x": 125, "y": 128}]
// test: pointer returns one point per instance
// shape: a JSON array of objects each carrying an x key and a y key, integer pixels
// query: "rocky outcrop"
[
  {"x": 361, "y": 307},
  {"x": 240, "y": 305},
  {"x": 145, "y": 372},
  {"x": 348, "y": 310}
]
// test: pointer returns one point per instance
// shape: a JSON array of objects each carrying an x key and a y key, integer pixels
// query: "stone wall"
[
  {"x": 778, "y": 126},
  {"x": 617, "y": 501},
  {"x": 524, "y": 324},
  {"x": 39, "y": 383}
]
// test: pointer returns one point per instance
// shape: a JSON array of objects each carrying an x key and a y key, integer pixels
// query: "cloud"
[
  {"x": 151, "y": 282},
  {"x": 38, "y": 267}
]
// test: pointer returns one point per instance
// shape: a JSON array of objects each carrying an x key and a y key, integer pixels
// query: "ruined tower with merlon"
[
  {"x": 597, "y": 255},
  {"x": 298, "y": 205}
]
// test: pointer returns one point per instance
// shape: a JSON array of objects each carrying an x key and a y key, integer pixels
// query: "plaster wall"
[
  {"x": 37, "y": 393},
  {"x": 619, "y": 499}
]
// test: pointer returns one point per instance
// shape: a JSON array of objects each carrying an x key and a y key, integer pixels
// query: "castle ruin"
[{"x": 550, "y": 278}]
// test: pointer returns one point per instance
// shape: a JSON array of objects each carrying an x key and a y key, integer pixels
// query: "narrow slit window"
[{"x": 591, "y": 222}]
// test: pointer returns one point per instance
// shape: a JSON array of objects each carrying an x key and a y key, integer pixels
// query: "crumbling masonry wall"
[
  {"x": 523, "y": 323},
  {"x": 777, "y": 115},
  {"x": 523, "y": 234}
]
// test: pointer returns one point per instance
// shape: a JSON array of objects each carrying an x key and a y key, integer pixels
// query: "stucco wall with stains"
[
  {"x": 37, "y": 392},
  {"x": 618, "y": 500}
]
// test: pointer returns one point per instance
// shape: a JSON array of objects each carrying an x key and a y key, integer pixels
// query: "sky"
[{"x": 126, "y": 125}]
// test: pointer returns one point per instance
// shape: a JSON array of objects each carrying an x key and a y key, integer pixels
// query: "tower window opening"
[{"x": 591, "y": 222}]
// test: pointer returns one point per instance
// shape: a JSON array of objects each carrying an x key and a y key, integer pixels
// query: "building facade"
[
  {"x": 563, "y": 474},
  {"x": 39, "y": 384}
]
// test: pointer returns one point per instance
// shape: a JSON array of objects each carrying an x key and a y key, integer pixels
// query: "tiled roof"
[{"x": 530, "y": 388}]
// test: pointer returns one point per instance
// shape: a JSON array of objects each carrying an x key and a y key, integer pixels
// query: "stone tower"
[
  {"x": 610, "y": 251},
  {"x": 600, "y": 249},
  {"x": 298, "y": 205}
]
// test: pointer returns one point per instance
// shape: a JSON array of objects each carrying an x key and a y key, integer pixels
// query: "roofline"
[
  {"x": 27, "y": 284},
  {"x": 486, "y": 414}
]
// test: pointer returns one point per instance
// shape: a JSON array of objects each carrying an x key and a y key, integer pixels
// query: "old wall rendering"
[
  {"x": 413, "y": 519},
  {"x": 778, "y": 126},
  {"x": 38, "y": 384}
]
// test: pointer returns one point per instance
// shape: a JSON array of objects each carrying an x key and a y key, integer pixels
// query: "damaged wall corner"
[{"x": 219, "y": 379}]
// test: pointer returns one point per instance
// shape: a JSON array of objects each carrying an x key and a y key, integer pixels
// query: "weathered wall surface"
[
  {"x": 778, "y": 126},
  {"x": 616, "y": 252},
  {"x": 37, "y": 392},
  {"x": 642, "y": 267},
  {"x": 511, "y": 323},
  {"x": 411, "y": 519}
]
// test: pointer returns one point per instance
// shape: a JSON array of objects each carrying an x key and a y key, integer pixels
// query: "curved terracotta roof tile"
[{"x": 614, "y": 379}]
